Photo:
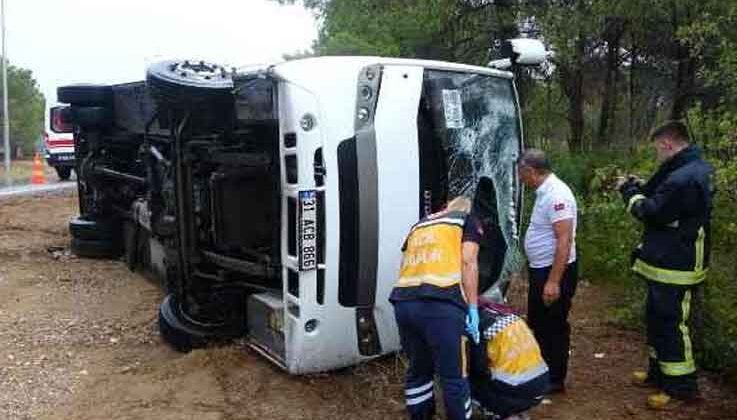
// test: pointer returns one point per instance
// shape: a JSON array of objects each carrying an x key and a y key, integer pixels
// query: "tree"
[
  {"x": 462, "y": 31},
  {"x": 27, "y": 109}
]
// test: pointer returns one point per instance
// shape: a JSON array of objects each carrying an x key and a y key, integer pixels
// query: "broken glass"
[{"x": 476, "y": 119}]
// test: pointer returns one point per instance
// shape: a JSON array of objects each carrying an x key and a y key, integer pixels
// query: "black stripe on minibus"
[
  {"x": 359, "y": 220},
  {"x": 349, "y": 217},
  {"x": 320, "y": 286},
  {"x": 290, "y": 140},
  {"x": 293, "y": 283},
  {"x": 321, "y": 227},
  {"x": 290, "y": 167},
  {"x": 292, "y": 226}
]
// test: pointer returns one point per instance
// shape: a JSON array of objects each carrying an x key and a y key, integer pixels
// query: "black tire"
[
  {"x": 91, "y": 116},
  {"x": 88, "y": 248},
  {"x": 85, "y": 95},
  {"x": 183, "y": 84},
  {"x": 64, "y": 172},
  {"x": 177, "y": 330},
  {"x": 93, "y": 230}
]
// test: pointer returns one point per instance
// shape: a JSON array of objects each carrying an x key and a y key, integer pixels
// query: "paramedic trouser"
[
  {"x": 504, "y": 400},
  {"x": 550, "y": 323},
  {"x": 667, "y": 312},
  {"x": 432, "y": 335}
]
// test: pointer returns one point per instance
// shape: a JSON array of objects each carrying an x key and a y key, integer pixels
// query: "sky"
[{"x": 111, "y": 41}]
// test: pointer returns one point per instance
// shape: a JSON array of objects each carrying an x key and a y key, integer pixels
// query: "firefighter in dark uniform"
[
  {"x": 675, "y": 209},
  {"x": 436, "y": 291}
]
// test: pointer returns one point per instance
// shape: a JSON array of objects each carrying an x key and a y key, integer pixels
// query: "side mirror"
[
  {"x": 521, "y": 51},
  {"x": 59, "y": 120}
]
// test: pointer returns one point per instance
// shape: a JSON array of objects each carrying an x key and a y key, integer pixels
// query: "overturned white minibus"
[{"x": 272, "y": 202}]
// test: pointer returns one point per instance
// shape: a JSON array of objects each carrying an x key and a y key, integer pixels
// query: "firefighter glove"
[
  {"x": 630, "y": 187},
  {"x": 472, "y": 323}
]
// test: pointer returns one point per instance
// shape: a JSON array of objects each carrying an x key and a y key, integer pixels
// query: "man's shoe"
[
  {"x": 641, "y": 379},
  {"x": 556, "y": 388}
]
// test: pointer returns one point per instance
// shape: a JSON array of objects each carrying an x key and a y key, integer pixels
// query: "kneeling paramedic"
[
  {"x": 508, "y": 375},
  {"x": 436, "y": 291}
]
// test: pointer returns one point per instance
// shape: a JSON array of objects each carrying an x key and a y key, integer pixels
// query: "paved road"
[{"x": 17, "y": 190}]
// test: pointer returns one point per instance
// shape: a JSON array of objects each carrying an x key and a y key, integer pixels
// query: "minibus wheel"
[
  {"x": 184, "y": 83},
  {"x": 97, "y": 248},
  {"x": 85, "y": 229},
  {"x": 175, "y": 330}
]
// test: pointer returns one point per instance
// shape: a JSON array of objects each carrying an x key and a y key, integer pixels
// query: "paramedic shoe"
[{"x": 641, "y": 379}]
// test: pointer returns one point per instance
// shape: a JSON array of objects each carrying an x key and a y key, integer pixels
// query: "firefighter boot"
[{"x": 663, "y": 401}]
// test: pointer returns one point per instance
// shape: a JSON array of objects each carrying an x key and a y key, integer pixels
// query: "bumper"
[{"x": 60, "y": 159}]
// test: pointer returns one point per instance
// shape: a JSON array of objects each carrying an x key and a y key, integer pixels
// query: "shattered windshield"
[{"x": 469, "y": 142}]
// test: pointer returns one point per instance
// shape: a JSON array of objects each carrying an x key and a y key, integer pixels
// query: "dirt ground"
[{"x": 78, "y": 340}]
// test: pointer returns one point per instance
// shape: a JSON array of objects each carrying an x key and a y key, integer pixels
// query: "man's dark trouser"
[
  {"x": 505, "y": 400},
  {"x": 550, "y": 323},
  {"x": 672, "y": 366},
  {"x": 431, "y": 332}
]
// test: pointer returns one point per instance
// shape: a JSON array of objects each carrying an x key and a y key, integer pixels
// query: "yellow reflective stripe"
[
  {"x": 635, "y": 198},
  {"x": 663, "y": 275},
  {"x": 688, "y": 365},
  {"x": 685, "y": 312},
  {"x": 700, "y": 250},
  {"x": 677, "y": 368},
  {"x": 446, "y": 280},
  {"x": 464, "y": 357}
]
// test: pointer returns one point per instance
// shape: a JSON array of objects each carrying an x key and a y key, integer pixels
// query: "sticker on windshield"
[{"x": 453, "y": 109}]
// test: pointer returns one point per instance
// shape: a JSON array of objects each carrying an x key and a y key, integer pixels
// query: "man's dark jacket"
[{"x": 675, "y": 208}]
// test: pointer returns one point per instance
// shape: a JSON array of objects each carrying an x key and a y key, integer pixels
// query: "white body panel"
[{"x": 326, "y": 88}]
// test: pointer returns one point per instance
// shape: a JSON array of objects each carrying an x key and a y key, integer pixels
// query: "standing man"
[
  {"x": 550, "y": 245},
  {"x": 437, "y": 289},
  {"x": 675, "y": 209}
]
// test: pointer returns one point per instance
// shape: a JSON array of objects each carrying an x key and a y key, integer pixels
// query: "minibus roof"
[{"x": 320, "y": 64}]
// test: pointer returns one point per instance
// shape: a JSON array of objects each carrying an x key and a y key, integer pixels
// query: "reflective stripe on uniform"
[
  {"x": 663, "y": 275},
  {"x": 700, "y": 250},
  {"x": 469, "y": 409},
  {"x": 440, "y": 220},
  {"x": 422, "y": 398},
  {"x": 418, "y": 389},
  {"x": 519, "y": 378},
  {"x": 635, "y": 198},
  {"x": 419, "y": 394},
  {"x": 439, "y": 280},
  {"x": 687, "y": 366},
  {"x": 464, "y": 358},
  {"x": 677, "y": 368}
]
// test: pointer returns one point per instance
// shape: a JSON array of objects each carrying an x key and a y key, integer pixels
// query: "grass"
[{"x": 21, "y": 171}]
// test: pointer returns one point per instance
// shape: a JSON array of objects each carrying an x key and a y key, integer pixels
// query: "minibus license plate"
[{"x": 307, "y": 230}]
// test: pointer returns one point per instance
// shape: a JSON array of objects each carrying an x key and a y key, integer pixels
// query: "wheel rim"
[{"x": 201, "y": 70}]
